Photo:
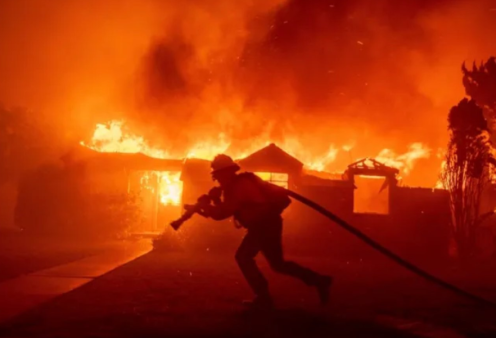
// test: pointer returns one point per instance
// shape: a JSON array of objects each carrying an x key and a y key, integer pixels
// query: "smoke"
[
  {"x": 376, "y": 74},
  {"x": 68, "y": 60}
]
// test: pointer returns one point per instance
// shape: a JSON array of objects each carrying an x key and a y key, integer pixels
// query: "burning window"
[
  {"x": 168, "y": 184},
  {"x": 170, "y": 188},
  {"x": 160, "y": 195},
  {"x": 371, "y": 195},
  {"x": 280, "y": 179}
]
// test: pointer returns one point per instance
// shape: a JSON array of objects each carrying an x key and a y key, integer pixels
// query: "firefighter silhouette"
[{"x": 257, "y": 206}]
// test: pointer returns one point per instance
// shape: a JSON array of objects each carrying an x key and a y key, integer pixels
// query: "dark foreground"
[
  {"x": 184, "y": 295},
  {"x": 21, "y": 254}
]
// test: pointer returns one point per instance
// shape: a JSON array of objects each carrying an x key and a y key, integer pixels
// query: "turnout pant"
[{"x": 267, "y": 238}]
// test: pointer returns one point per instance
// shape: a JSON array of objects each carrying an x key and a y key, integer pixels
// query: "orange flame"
[
  {"x": 170, "y": 188},
  {"x": 168, "y": 184},
  {"x": 208, "y": 150},
  {"x": 111, "y": 137},
  {"x": 321, "y": 163},
  {"x": 404, "y": 162}
]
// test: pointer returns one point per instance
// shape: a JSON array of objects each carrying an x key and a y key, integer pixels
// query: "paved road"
[
  {"x": 197, "y": 295},
  {"x": 22, "y": 254}
]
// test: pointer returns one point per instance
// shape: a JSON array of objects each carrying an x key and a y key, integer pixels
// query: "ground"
[
  {"x": 23, "y": 253},
  {"x": 181, "y": 294}
]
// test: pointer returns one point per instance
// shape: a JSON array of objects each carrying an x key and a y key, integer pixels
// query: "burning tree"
[{"x": 466, "y": 171}]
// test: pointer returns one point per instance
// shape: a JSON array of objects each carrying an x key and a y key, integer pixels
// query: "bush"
[
  {"x": 111, "y": 214},
  {"x": 56, "y": 200}
]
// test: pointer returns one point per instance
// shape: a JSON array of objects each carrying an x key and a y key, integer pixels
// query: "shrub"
[{"x": 57, "y": 201}]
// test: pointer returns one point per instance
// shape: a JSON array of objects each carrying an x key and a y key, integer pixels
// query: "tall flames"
[
  {"x": 112, "y": 137},
  {"x": 406, "y": 161}
]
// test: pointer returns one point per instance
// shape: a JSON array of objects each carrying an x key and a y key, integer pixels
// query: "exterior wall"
[
  {"x": 425, "y": 216},
  {"x": 487, "y": 231},
  {"x": 417, "y": 227}
]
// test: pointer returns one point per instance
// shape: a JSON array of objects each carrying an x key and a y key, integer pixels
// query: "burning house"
[
  {"x": 412, "y": 221},
  {"x": 368, "y": 194},
  {"x": 274, "y": 165}
]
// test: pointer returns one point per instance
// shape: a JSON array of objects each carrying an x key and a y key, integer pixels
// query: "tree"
[
  {"x": 480, "y": 85},
  {"x": 23, "y": 142},
  {"x": 466, "y": 171},
  {"x": 59, "y": 200}
]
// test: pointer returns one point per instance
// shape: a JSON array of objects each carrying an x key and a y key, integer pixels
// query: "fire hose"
[{"x": 360, "y": 235}]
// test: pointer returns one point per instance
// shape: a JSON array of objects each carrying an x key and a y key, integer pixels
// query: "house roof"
[
  {"x": 131, "y": 161},
  {"x": 272, "y": 159}
]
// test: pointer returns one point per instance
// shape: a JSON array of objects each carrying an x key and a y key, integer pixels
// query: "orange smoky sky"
[{"x": 370, "y": 74}]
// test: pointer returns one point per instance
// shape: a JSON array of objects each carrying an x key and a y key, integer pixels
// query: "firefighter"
[{"x": 257, "y": 206}]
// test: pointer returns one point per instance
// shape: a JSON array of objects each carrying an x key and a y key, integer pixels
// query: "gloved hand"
[
  {"x": 202, "y": 205},
  {"x": 215, "y": 193},
  {"x": 189, "y": 207},
  {"x": 203, "y": 200}
]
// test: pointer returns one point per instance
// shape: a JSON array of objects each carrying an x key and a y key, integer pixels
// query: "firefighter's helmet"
[{"x": 222, "y": 162}]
